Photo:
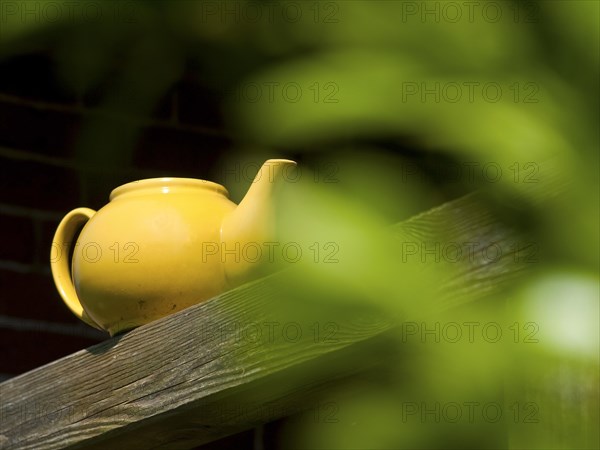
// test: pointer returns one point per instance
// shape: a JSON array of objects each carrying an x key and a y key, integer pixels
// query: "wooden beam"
[{"x": 230, "y": 363}]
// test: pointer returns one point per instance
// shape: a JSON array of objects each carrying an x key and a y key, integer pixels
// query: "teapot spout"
[{"x": 247, "y": 232}]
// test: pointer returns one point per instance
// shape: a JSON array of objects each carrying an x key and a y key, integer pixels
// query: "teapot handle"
[{"x": 60, "y": 263}]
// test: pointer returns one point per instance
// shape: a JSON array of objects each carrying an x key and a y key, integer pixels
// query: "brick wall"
[{"x": 43, "y": 175}]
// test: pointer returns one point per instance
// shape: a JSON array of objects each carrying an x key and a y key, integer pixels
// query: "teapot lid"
[{"x": 166, "y": 184}]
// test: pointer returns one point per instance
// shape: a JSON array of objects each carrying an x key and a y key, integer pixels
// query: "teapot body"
[
  {"x": 150, "y": 252},
  {"x": 159, "y": 246}
]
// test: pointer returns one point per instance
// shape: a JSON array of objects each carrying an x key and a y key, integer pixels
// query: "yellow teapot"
[{"x": 159, "y": 246}]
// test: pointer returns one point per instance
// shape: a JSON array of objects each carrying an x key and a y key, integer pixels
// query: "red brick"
[
  {"x": 179, "y": 152},
  {"x": 32, "y": 76},
  {"x": 46, "y": 238},
  {"x": 198, "y": 105},
  {"x": 24, "y": 350},
  {"x": 164, "y": 107},
  {"x": 96, "y": 98},
  {"x": 43, "y": 131},
  {"x": 19, "y": 239},
  {"x": 100, "y": 185},
  {"x": 37, "y": 185},
  {"x": 32, "y": 296},
  {"x": 244, "y": 439}
]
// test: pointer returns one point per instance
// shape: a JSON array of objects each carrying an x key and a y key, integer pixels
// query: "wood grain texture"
[
  {"x": 230, "y": 363},
  {"x": 482, "y": 253}
]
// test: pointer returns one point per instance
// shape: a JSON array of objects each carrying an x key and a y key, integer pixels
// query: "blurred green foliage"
[{"x": 308, "y": 78}]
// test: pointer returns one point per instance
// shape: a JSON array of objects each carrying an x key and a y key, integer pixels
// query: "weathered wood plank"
[
  {"x": 178, "y": 371},
  {"x": 481, "y": 253},
  {"x": 227, "y": 364}
]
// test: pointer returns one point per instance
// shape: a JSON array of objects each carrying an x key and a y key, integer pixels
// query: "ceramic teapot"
[{"x": 159, "y": 246}]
